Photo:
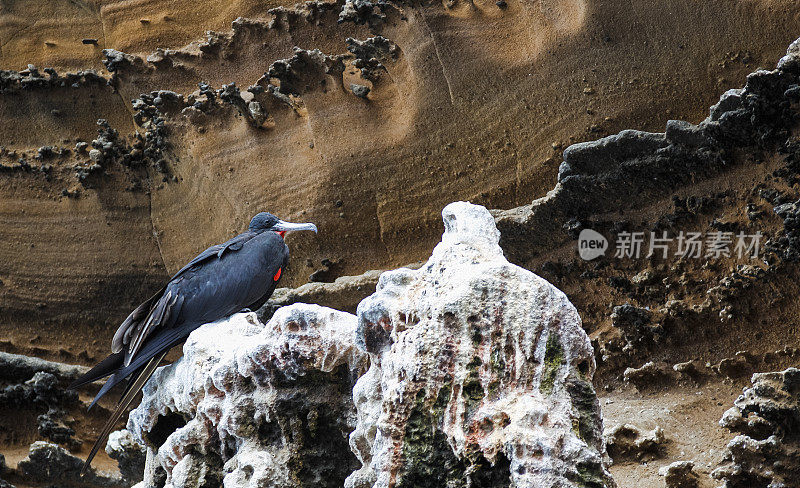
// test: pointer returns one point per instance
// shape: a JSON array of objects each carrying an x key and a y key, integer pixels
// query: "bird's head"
[{"x": 266, "y": 221}]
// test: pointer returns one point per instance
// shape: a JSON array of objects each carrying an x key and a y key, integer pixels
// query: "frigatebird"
[{"x": 224, "y": 279}]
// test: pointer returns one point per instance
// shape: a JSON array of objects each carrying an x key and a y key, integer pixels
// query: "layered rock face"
[
  {"x": 433, "y": 104},
  {"x": 456, "y": 111},
  {"x": 733, "y": 172},
  {"x": 479, "y": 375}
]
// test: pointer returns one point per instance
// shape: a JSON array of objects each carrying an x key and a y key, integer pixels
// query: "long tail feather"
[
  {"x": 103, "y": 369},
  {"x": 162, "y": 341},
  {"x": 126, "y": 400}
]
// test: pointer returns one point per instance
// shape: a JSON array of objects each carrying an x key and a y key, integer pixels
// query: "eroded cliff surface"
[
  {"x": 465, "y": 100},
  {"x": 383, "y": 114}
]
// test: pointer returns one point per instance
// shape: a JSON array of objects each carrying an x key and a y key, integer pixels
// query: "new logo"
[{"x": 591, "y": 244}]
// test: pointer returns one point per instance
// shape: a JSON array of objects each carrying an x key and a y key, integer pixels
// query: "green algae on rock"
[{"x": 480, "y": 374}]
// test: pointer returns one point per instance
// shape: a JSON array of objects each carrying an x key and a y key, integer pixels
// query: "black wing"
[
  {"x": 245, "y": 271},
  {"x": 218, "y": 250},
  {"x": 158, "y": 309}
]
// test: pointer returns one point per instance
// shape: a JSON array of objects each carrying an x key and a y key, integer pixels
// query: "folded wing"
[{"x": 220, "y": 281}]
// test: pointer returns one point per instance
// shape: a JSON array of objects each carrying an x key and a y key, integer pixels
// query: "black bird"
[{"x": 224, "y": 279}]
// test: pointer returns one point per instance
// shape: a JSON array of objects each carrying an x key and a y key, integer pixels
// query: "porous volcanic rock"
[
  {"x": 50, "y": 463},
  {"x": 766, "y": 418},
  {"x": 19, "y": 367},
  {"x": 680, "y": 474},
  {"x": 129, "y": 454},
  {"x": 480, "y": 374},
  {"x": 255, "y": 405},
  {"x": 43, "y": 395},
  {"x": 626, "y": 441},
  {"x": 650, "y": 375},
  {"x": 345, "y": 293}
]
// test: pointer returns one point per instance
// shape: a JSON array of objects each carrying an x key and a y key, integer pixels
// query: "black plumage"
[{"x": 224, "y": 279}]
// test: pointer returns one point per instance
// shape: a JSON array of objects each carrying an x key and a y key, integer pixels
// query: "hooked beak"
[{"x": 282, "y": 226}]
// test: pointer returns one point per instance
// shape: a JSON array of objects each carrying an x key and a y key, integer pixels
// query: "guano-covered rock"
[
  {"x": 254, "y": 405},
  {"x": 479, "y": 376}
]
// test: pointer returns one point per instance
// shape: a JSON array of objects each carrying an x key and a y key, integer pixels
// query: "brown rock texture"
[
  {"x": 474, "y": 102},
  {"x": 467, "y": 101},
  {"x": 764, "y": 419}
]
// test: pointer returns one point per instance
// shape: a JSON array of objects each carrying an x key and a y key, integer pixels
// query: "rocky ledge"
[
  {"x": 766, "y": 418},
  {"x": 254, "y": 405},
  {"x": 469, "y": 371}
]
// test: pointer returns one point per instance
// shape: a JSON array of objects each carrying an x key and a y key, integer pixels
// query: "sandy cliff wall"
[{"x": 476, "y": 102}]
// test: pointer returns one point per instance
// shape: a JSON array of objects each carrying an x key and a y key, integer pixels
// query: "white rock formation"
[
  {"x": 480, "y": 374},
  {"x": 250, "y": 405},
  {"x": 129, "y": 454}
]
